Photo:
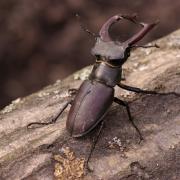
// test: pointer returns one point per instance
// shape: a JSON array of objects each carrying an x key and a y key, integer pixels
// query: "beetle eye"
[
  {"x": 98, "y": 57},
  {"x": 128, "y": 52}
]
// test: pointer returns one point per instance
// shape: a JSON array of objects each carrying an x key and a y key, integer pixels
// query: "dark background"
[{"x": 41, "y": 40}]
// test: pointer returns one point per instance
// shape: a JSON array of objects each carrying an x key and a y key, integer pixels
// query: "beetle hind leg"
[
  {"x": 124, "y": 103},
  {"x": 94, "y": 142}
]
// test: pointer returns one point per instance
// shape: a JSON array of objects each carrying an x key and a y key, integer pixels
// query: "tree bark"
[{"x": 29, "y": 153}]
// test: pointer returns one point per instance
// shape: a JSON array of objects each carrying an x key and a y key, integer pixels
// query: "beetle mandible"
[{"x": 96, "y": 94}]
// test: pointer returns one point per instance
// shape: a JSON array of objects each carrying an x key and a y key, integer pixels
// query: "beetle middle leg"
[
  {"x": 124, "y": 103},
  {"x": 138, "y": 90},
  {"x": 71, "y": 92},
  {"x": 53, "y": 120}
]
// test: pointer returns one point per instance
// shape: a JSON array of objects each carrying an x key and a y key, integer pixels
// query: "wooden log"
[{"x": 29, "y": 153}]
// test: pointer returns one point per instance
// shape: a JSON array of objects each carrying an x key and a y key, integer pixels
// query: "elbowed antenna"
[{"x": 83, "y": 27}]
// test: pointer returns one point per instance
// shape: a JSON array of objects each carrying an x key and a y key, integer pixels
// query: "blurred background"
[{"x": 41, "y": 40}]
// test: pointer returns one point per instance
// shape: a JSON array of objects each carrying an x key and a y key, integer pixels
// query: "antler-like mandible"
[
  {"x": 104, "y": 32},
  {"x": 138, "y": 36}
]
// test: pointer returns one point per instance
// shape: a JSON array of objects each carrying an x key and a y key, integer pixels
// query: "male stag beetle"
[{"x": 95, "y": 95}]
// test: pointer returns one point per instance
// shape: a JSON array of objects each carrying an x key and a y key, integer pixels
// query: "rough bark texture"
[{"x": 28, "y": 154}]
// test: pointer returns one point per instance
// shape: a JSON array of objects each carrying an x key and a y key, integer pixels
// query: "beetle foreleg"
[
  {"x": 53, "y": 120},
  {"x": 138, "y": 90},
  {"x": 124, "y": 103}
]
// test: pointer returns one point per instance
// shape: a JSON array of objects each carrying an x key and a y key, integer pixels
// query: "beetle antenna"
[
  {"x": 84, "y": 28},
  {"x": 148, "y": 46}
]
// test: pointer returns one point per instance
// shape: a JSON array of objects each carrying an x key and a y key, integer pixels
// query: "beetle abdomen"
[{"x": 88, "y": 108}]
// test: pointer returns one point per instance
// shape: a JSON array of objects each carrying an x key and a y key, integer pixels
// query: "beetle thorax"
[{"x": 108, "y": 75}]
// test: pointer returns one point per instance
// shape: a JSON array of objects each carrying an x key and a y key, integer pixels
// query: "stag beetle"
[{"x": 95, "y": 95}]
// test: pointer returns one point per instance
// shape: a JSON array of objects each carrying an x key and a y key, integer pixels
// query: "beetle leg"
[
  {"x": 124, "y": 103},
  {"x": 138, "y": 90},
  {"x": 53, "y": 120},
  {"x": 95, "y": 139}
]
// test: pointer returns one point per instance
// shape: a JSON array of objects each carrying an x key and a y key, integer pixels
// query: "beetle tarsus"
[
  {"x": 138, "y": 90},
  {"x": 53, "y": 120},
  {"x": 124, "y": 103}
]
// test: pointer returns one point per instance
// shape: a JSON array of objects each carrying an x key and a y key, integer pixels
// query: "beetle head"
[{"x": 116, "y": 52}]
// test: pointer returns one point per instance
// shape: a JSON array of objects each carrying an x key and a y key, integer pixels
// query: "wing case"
[{"x": 89, "y": 107}]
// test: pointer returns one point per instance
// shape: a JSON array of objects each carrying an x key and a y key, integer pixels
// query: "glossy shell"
[{"x": 89, "y": 107}]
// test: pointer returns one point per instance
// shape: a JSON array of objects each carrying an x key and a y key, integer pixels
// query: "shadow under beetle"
[{"x": 95, "y": 95}]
